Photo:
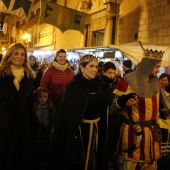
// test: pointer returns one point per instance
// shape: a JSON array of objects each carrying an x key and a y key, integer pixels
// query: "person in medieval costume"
[
  {"x": 138, "y": 96},
  {"x": 76, "y": 138}
]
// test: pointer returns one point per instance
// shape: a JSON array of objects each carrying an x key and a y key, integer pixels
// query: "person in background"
[
  {"x": 164, "y": 122},
  {"x": 33, "y": 62},
  {"x": 40, "y": 71},
  {"x": 127, "y": 66},
  {"x": 137, "y": 95},
  {"x": 57, "y": 76},
  {"x": 100, "y": 68},
  {"x": 164, "y": 79},
  {"x": 76, "y": 134},
  {"x": 107, "y": 124},
  {"x": 74, "y": 67},
  {"x": 16, "y": 109},
  {"x": 44, "y": 61},
  {"x": 44, "y": 111},
  {"x": 109, "y": 79}
]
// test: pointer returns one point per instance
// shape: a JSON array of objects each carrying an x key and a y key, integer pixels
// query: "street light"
[
  {"x": 27, "y": 38},
  {"x": 3, "y": 49}
]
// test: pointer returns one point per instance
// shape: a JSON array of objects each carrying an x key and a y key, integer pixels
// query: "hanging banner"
[
  {"x": 62, "y": 17},
  {"x": 20, "y": 8}
]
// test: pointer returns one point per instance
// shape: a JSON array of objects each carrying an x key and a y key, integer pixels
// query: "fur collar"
[
  {"x": 60, "y": 66},
  {"x": 88, "y": 85}
]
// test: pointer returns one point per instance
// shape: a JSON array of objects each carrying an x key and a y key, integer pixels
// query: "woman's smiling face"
[
  {"x": 61, "y": 58},
  {"x": 18, "y": 58},
  {"x": 90, "y": 70}
]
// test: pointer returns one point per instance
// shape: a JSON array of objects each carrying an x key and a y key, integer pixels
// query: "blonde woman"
[{"x": 16, "y": 108}]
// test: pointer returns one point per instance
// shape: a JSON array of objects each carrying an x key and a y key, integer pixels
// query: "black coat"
[
  {"x": 128, "y": 71},
  {"x": 16, "y": 113},
  {"x": 67, "y": 148},
  {"x": 108, "y": 124},
  {"x": 37, "y": 80}
]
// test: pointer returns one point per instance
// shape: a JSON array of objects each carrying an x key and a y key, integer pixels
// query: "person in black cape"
[{"x": 75, "y": 140}]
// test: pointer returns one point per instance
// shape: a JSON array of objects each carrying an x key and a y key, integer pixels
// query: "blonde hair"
[{"x": 6, "y": 61}]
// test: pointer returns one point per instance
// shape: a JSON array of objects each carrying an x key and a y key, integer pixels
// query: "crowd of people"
[{"x": 53, "y": 117}]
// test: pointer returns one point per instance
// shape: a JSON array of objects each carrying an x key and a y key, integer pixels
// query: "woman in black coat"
[
  {"x": 76, "y": 135},
  {"x": 16, "y": 109}
]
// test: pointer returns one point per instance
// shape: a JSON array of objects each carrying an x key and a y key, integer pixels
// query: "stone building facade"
[
  {"x": 108, "y": 22},
  {"x": 144, "y": 20}
]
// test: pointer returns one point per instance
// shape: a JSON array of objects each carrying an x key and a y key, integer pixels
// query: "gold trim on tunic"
[{"x": 91, "y": 122}]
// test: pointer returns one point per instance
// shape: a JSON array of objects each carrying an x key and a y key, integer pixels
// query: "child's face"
[
  {"x": 110, "y": 73},
  {"x": 42, "y": 98},
  {"x": 164, "y": 81}
]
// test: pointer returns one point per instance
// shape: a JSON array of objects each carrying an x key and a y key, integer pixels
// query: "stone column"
[{"x": 108, "y": 31}]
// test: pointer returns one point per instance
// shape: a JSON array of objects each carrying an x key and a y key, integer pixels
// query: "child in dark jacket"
[
  {"x": 44, "y": 113},
  {"x": 107, "y": 123}
]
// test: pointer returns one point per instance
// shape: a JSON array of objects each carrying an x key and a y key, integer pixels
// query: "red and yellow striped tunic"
[{"x": 145, "y": 110}]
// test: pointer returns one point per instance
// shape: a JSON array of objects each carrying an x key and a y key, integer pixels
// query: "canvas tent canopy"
[
  {"x": 93, "y": 50},
  {"x": 102, "y": 52},
  {"x": 132, "y": 51}
]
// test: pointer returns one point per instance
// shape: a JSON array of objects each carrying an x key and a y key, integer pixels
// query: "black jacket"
[
  {"x": 128, "y": 71},
  {"x": 16, "y": 113},
  {"x": 37, "y": 80}
]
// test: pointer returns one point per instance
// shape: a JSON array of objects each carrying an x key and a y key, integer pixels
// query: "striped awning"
[{"x": 20, "y": 8}]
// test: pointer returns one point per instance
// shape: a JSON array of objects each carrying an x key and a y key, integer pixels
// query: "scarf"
[
  {"x": 18, "y": 75},
  {"x": 58, "y": 66},
  {"x": 107, "y": 80}
]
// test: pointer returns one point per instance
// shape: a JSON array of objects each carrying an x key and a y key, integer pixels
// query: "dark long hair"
[{"x": 165, "y": 75}]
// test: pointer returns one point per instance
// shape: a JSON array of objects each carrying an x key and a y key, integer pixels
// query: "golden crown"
[
  {"x": 87, "y": 58},
  {"x": 151, "y": 54}
]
